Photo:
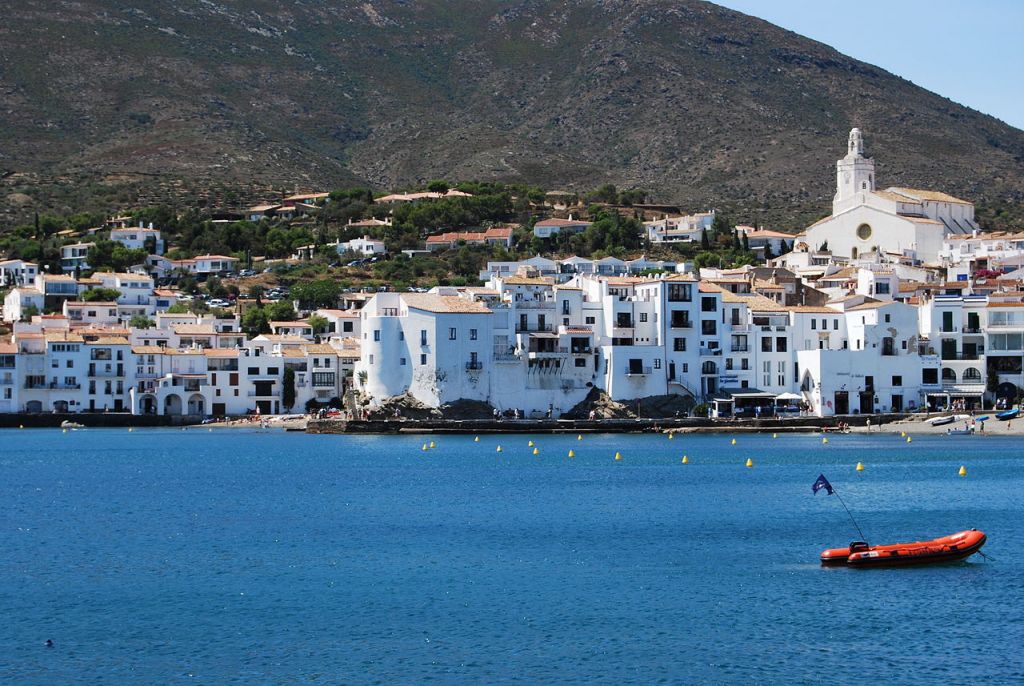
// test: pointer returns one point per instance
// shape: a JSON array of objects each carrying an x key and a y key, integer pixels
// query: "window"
[
  {"x": 835, "y": 325},
  {"x": 744, "y": 363},
  {"x": 423, "y": 336},
  {"x": 686, "y": 367},
  {"x": 472, "y": 334},
  {"x": 864, "y": 231},
  {"x": 888, "y": 318},
  {"x": 401, "y": 361},
  {"x": 781, "y": 378},
  {"x": 708, "y": 305},
  {"x": 254, "y": 371},
  {"x": 423, "y": 359},
  {"x": 401, "y": 335},
  {"x": 643, "y": 316},
  {"x": 589, "y": 320},
  {"x": 346, "y": 327},
  {"x": 680, "y": 292},
  {"x": 897, "y": 381},
  {"x": 452, "y": 333},
  {"x": 766, "y": 345},
  {"x": 272, "y": 371},
  {"x": 679, "y": 345},
  {"x": 708, "y": 327},
  {"x": 780, "y": 344},
  {"x": 657, "y": 363},
  {"x": 371, "y": 359},
  {"x": 580, "y": 362},
  {"x": 70, "y": 364},
  {"x": 376, "y": 334},
  {"x": 814, "y": 324}
]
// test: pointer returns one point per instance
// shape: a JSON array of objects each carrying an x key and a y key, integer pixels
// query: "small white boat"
[
  {"x": 960, "y": 432},
  {"x": 948, "y": 419},
  {"x": 71, "y": 425}
]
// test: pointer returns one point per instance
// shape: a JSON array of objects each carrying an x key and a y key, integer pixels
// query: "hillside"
[{"x": 115, "y": 104}]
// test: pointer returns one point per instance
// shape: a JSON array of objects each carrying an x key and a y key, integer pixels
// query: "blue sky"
[{"x": 970, "y": 52}]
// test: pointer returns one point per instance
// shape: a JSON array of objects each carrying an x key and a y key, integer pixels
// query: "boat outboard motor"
[{"x": 858, "y": 546}]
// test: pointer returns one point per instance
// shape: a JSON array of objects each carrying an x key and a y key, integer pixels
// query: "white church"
[{"x": 904, "y": 221}]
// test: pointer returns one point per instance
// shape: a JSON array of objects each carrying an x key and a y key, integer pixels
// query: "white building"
[
  {"x": 75, "y": 256},
  {"x": 17, "y": 273},
  {"x": 363, "y": 246},
  {"x": 546, "y": 228},
  {"x": 139, "y": 238},
  {"x": 904, "y": 221},
  {"x": 681, "y": 229}
]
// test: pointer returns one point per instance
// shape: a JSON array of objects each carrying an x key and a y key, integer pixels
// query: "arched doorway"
[
  {"x": 60, "y": 406},
  {"x": 948, "y": 375},
  {"x": 709, "y": 378},
  {"x": 972, "y": 374},
  {"x": 172, "y": 404},
  {"x": 196, "y": 405},
  {"x": 34, "y": 406}
]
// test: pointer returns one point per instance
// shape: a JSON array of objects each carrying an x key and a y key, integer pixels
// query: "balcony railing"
[
  {"x": 638, "y": 371},
  {"x": 740, "y": 349},
  {"x": 971, "y": 329},
  {"x": 682, "y": 324},
  {"x": 534, "y": 304},
  {"x": 977, "y": 355},
  {"x": 474, "y": 366},
  {"x": 530, "y": 328},
  {"x": 710, "y": 351}
]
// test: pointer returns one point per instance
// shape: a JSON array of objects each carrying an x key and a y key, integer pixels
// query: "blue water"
[{"x": 230, "y": 557}]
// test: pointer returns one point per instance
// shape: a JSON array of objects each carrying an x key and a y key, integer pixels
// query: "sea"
[{"x": 163, "y": 556}]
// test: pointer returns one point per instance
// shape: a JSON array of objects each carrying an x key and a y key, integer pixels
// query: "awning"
[
  {"x": 961, "y": 390},
  {"x": 541, "y": 334},
  {"x": 789, "y": 396},
  {"x": 744, "y": 394}
]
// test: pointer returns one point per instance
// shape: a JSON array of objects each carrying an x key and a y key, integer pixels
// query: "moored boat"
[
  {"x": 960, "y": 432},
  {"x": 958, "y": 546},
  {"x": 1007, "y": 415}
]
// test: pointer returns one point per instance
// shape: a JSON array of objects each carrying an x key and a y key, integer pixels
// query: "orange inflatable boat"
[{"x": 945, "y": 549}]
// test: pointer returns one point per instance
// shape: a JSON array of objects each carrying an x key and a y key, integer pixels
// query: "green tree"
[
  {"x": 255, "y": 321},
  {"x": 28, "y": 312},
  {"x": 215, "y": 288},
  {"x": 705, "y": 244},
  {"x": 140, "y": 321},
  {"x": 288, "y": 388},
  {"x": 279, "y": 311},
  {"x": 100, "y": 295},
  {"x": 318, "y": 323},
  {"x": 438, "y": 186},
  {"x": 114, "y": 256},
  {"x": 319, "y": 293}
]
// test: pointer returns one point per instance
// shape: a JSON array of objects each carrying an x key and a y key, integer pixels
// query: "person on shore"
[{"x": 869, "y": 424}]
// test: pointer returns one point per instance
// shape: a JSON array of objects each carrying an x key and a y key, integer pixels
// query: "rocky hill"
[{"x": 111, "y": 104}]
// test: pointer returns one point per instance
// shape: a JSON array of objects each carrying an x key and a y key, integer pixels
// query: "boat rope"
[{"x": 987, "y": 557}]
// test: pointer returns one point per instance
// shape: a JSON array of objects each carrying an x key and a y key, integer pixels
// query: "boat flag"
[{"x": 821, "y": 483}]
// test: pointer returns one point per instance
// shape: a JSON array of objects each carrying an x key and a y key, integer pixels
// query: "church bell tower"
[{"x": 855, "y": 174}]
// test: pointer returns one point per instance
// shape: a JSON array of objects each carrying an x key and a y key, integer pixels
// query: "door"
[
  {"x": 219, "y": 409},
  {"x": 866, "y": 402},
  {"x": 842, "y": 402},
  {"x": 897, "y": 403}
]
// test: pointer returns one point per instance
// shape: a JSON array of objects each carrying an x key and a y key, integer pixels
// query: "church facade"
[{"x": 903, "y": 221}]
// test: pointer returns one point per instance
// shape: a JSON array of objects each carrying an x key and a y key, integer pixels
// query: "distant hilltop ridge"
[{"x": 704, "y": 106}]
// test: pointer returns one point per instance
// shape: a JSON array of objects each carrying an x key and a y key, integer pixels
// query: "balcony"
[
  {"x": 740, "y": 328},
  {"x": 972, "y": 329},
  {"x": 534, "y": 304},
  {"x": 681, "y": 324},
  {"x": 638, "y": 371},
  {"x": 532, "y": 328},
  {"x": 707, "y": 352},
  {"x": 474, "y": 366},
  {"x": 580, "y": 351},
  {"x": 740, "y": 349},
  {"x": 977, "y": 355},
  {"x": 111, "y": 373}
]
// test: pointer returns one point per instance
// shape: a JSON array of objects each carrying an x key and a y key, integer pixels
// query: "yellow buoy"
[
  {"x": 579, "y": 437},
  {"x": 425, "y": 447},
  {"x": 671, "y": 436},
  {"x": 433, "y": 445},
  {"x": 131, "y": 428},
  {"x": 824, "y": 441},
  {"x": 530, "y": 444},
  {"x": 21, "y": 426},
  {"x": 536, "y": 451},
  {"x": 498, "y": 449},
  {"x": 476, "y": 440},
  {"x": 963, "y": 471},
  {"x": 572, "y": 453},
  {"x": 209, "y": 430},
  {"x": 750, "y": 462},
  {"x": 903, "y": 434},
  {"x": 860, "y": 466},
  {"x": 686, "y": 460},
  {"x": 909, "y": 439},
  {"x": 734, "y": 441},
  {"x": 775, "y": 435},
  {"x": 618, "y": 456},
  {"x": 64, "y": 431}
]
